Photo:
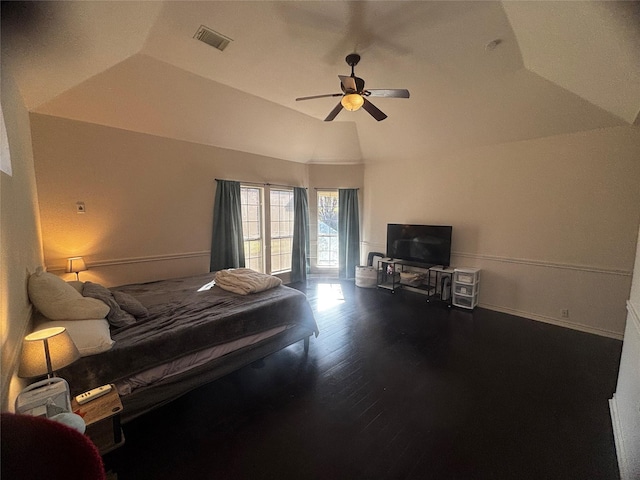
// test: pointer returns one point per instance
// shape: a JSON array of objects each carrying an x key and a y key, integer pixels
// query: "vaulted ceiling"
[{"x": 555, "y": 67}]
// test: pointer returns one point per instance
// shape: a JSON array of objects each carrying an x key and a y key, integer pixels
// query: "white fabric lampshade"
[
  {"x": 75, "y": 265},
  {"x": 61, "y": 349}
]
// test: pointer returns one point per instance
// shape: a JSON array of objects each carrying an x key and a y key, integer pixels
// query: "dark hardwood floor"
[{"x": 394, "y": 388}]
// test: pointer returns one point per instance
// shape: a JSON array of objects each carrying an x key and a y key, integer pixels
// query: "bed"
[{"x": 195, "y": 332}]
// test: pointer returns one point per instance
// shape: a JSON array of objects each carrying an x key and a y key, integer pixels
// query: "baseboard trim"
[
  {"x": 554, "y": 321},
  {"x": 617, "y": 435},
  {"x": 497, "y": 308}
]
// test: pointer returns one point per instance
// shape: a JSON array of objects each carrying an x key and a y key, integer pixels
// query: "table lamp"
[
  {"x": 76, "y": 265},
  {"x": 45, "y": 351}
]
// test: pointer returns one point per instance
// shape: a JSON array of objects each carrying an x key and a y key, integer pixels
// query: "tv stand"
[
  {"x": 443, "y": 284},
  {"x": 389, "y": 273},
  {"x": 424, "y": 279}
]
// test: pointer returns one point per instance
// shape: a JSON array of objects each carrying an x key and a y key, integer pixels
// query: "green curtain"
[
  {"x": 348, "y": 232},
  {"x": 300, "y": 251},
  {"x": 227, "y": 243}
]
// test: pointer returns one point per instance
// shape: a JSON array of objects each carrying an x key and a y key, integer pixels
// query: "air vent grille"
[{"x": 212, "y": 38}]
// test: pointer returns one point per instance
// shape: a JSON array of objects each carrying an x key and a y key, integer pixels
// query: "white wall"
[
  {"x": 20, "y": 243},
  {"x": 552, "y": 222},
  {"x": 149, "y": 200},
  {"x": 625, "y": 404}
]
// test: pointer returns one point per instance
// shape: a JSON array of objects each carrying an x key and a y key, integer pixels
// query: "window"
[
  {"x": 281, "y": 229},
  {"x": 327, "y": 228},
  {"x": 251, "y": 205},
  {"x": 267, "y": 213}
]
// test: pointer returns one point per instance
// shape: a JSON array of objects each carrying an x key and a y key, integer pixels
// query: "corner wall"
[
  {"x": 624, "y": 406},
  {"x": 20, "y": 242},
  {"x": 552, "y": 222}
]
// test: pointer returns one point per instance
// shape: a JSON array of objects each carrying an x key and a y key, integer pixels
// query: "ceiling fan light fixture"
[
  {"x": 352, "y": 101},
  {"x": 353, "y": 96}
]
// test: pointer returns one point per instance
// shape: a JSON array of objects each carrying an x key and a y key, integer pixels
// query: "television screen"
[{"x": 423, "y": 244}]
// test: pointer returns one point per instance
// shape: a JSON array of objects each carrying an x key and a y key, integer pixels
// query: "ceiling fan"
[{"x": 354, "y": 95}]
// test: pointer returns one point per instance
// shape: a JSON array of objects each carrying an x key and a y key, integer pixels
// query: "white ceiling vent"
[{"x": 212, "y": 38}]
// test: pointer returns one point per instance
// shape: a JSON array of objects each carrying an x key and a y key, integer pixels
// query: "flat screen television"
[{"x": 423, "y": 244}]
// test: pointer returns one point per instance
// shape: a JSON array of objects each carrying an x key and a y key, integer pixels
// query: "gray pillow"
[
  {"x": 117, "y": 317},
  {"x": 130, "y": 304}
]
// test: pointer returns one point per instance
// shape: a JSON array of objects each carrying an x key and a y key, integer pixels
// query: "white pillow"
[
  {"x": 90, "y": 336},
  {"x": 77, "y": 285},
  {"x": 58, "y": 300}
]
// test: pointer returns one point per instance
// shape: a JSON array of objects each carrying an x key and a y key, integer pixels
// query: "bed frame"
[
  {"x": 146, "y": 399},
  {"x": 184, "y": 319}
]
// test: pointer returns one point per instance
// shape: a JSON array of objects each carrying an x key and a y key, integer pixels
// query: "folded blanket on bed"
[{"x": 245, "y": 281}]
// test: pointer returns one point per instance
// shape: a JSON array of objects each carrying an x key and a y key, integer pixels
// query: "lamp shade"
[
  {"x": 45, "y": 351},
  {"x": 75, "y": 265},
  {"x": 352, "y": 101}
]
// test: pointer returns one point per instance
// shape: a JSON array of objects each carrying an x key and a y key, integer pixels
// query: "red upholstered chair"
[{"x": 37, "y": 448}]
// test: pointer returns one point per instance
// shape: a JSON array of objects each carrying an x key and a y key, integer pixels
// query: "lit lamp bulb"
[{"x": 352, "y": 101}]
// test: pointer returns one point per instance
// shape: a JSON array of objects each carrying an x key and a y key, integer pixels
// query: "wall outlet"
[
  {"x": 564, "y": 313},
  {"x": 80, "y": 208}
]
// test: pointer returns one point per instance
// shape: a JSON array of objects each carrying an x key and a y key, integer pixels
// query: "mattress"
[
  {"x": 186, "y": 319},
  {"x": 184, "y": 364}
]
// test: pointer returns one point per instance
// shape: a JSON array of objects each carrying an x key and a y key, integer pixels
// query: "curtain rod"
[
  {"x": 260, "y": 184},
  {"x": 334, "y": 188}
]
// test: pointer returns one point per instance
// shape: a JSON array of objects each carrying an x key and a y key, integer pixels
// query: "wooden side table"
[{"x": 102, "y": 417}]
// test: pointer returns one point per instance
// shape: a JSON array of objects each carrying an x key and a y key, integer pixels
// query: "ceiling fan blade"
[
  {"x": 334, "y": 112},
  {"x": 389, "y": 92},
  {"x": 373, "y": 110},
  {"x": 349, "y": 83},
  {"x": 320, "y": 96}
]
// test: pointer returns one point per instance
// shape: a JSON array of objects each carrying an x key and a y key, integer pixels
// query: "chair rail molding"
[
  {"x": 543, "y": 263},
  {"x": 134, "y": 260},
  {"x": 368, "y": 246}
]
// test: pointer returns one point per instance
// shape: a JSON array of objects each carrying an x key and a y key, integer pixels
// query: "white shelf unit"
[{"x": 466, "y": 286}]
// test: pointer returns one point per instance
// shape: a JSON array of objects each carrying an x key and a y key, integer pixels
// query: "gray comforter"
[{"x": 183, "y": 320}]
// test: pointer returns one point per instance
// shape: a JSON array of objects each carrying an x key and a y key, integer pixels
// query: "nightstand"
[{"x": 102, "y": 417}]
